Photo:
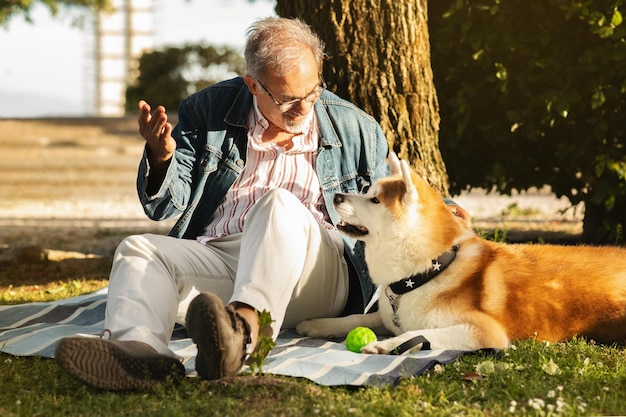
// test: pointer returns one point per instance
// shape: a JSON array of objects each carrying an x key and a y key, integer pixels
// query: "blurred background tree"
[
  {"x": 379, "y": 59},
  {"x": 168, "y": 75},
  {"x": 529, "y": 93},
  {"x": 12, "y": 8},
  {"x": 534, "y": 93}
]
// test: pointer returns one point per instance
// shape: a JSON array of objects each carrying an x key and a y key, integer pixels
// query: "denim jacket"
[{"x": 211, "y": 137}]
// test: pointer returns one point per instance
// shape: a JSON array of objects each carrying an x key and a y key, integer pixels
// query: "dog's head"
[{"x": 401, "y": 219}]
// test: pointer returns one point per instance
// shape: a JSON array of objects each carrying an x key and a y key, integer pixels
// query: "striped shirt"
[{"x": 270, "y": 166}]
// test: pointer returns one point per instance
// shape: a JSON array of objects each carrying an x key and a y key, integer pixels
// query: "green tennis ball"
[{"x": 359, "y": 337}]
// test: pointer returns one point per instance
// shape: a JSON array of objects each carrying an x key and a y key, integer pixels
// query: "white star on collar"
[
  {"x": 409, "y": 283},
  {"x": 436, "y": 265}
]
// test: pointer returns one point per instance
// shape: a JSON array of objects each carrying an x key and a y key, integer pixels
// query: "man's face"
[{"x": 274, "y": 94}]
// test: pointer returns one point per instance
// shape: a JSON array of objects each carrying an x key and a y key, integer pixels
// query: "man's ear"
[{"x": 253, "y": 85}]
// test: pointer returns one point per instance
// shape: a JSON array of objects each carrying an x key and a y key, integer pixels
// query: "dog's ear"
[
  {"x": 410, "y": 195},
  {"x": 461, "y": 215},
  {"x": 394, "y": 164}
]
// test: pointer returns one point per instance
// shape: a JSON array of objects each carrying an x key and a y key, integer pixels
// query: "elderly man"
[{"x": 251, "y": 170}]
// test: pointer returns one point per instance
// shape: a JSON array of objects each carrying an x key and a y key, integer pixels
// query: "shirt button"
[{"x": 240, "y": 162}]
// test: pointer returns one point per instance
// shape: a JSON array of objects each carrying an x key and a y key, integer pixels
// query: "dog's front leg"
[
  {"x": 340, "y": 326},
  {"x": 457, "y": 337}
]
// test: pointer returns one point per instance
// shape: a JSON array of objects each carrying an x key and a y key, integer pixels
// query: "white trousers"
[{"x": 284, "y": 262}]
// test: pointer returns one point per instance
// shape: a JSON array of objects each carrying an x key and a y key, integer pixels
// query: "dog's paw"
[
  {"x": 387, "y": 346},
  {"x": 376, "y": 348}
]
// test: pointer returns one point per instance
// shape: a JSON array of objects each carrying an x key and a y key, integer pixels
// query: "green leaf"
[
  {"x": 501, "y": 72},
  {"x": 605, "y": 31},
  {"x": 485, "y": 368},
  {"x": 550, "y": 368},
  {"x": 619, "y": 168},
  {"x": 616, "y": 20},
  {"x": 598, "y": 99},
  {"x": 599, "y": 168},
  {"x": 502, "y": 366},
  {"x": 476, "y": 56},
  {"x": 264, "y": 344},
  {"x": 562, "y": 108},
  {"x": 609, "y": 203}
]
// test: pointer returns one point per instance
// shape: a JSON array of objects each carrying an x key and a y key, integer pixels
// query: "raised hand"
[{"x": 157, "y": 132}]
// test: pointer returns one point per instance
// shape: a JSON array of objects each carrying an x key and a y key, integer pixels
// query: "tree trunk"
[
  {"x": 601, "y": 226},
  {"x": 379, "y": 54}
]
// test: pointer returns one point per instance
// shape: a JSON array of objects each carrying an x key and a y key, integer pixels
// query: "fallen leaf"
[
  {"x": 471, "y": 376},
  {"x": 550, "y": 368}
]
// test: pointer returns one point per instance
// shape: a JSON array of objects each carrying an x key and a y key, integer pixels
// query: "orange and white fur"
[{"x": 490, "y": 295}]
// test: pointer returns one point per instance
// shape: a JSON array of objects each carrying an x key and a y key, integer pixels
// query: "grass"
[
  {"x": 531, "y": 379},
  {"x": 49, "y": 292},
  {"x": 514, "y": 210},
  {"x": 27, "y": 281}
]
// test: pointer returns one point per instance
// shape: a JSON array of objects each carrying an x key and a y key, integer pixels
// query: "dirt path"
[
  {"x": 67, "y": 198},
  {"x": 69, "y": 184}
]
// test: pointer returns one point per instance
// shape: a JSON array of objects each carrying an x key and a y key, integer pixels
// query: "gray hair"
[{"x": 278, "y": 43}]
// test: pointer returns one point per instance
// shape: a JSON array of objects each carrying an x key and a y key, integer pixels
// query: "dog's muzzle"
[{"x": 343, "y": 226}]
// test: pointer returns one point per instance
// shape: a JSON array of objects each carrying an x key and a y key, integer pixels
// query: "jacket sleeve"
[{"x": 175, "y": 191}]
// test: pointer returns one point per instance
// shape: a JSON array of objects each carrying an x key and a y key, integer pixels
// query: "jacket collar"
[
  {"x": 237, "y": 115},
  {"x": 328, "y": 135}
]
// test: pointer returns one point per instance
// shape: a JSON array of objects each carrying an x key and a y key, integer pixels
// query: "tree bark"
[{"x": 379, "y": 58}]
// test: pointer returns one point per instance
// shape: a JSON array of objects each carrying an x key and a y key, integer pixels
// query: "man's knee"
[
  {"x": 136, "y": 245},
  {"x": 129, "y": 244},
  {"x": 278, "y": 203},
  {"x": 280, "y": 197}
]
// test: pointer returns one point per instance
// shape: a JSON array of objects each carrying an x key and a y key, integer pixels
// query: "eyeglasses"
[{"x": 287, "y": 105}]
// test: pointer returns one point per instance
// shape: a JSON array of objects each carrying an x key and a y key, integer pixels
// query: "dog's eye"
[{"x": 374, "y": 200}]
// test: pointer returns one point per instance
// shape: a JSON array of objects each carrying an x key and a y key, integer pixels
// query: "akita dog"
[{"x": 443, "y": 287}]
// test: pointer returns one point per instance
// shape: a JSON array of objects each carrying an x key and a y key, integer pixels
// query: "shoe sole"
[
  {"x": 105, "y": 365},
  {"x": 201, "y": 323}
]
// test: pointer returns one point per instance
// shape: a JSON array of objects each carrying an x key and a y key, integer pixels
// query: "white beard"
[{"x": 298, "y": 127}]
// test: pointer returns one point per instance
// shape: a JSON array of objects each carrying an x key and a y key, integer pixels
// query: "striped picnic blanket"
[{"x": 35, "y": 329}]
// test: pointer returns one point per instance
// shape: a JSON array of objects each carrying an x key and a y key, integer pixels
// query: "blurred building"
[{"x": 120, "y": 38}]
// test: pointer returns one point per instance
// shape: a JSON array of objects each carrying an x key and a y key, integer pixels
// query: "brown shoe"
[
  {"x": 221, "y": 334},
  {"x": 116, "y": 365}
]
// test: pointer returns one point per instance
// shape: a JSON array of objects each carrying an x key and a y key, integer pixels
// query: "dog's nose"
[{"x": 339, "y": 198}]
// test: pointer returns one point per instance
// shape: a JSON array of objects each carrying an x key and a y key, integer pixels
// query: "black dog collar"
[{"x": 415, "y": 281}]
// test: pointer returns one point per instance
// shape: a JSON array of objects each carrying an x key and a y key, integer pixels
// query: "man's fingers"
[
  {"x": 153, "y": 126},
  {"x": 156, "y": 130},
  {"x": 144, "y": 117},
  {"x": 167, "y": 130},
  {"x": 159, "y": 123}
]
